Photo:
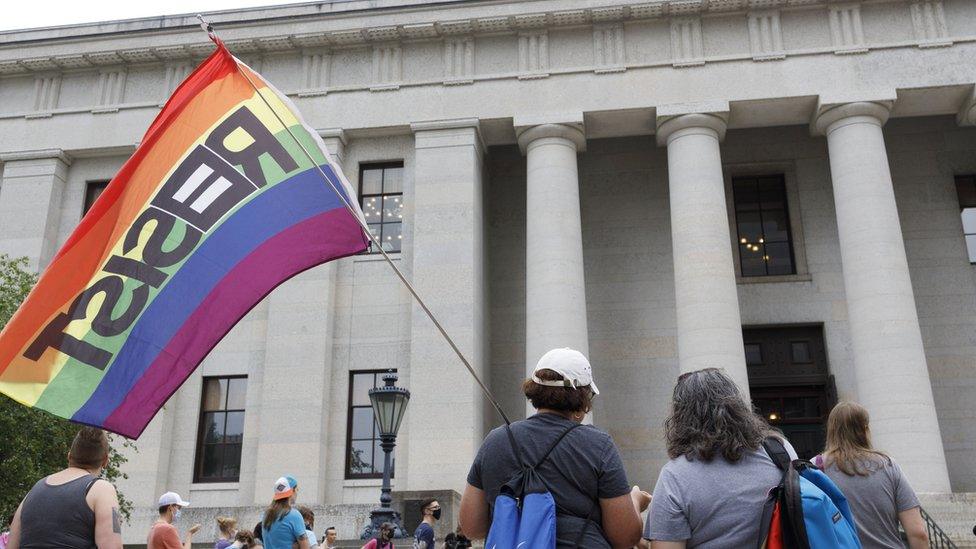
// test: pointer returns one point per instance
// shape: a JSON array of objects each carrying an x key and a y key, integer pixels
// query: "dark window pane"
[
  {"x": 393, "y": 208},
  {"x": 232, "y": 462},
  {"x": 778, "y": 259},
  {"x": 92, "y": 192},
  {"x": 372, "y": 181},
  {"x": 966, "y": 191},
  {"x": 392, "y": 239},
  {"x": 776, "y": 227},
  {"x": 213, "y": 427},
  {"x": 362, "y": 423},
  {"x": 772, "y": 194},
  {"x": 235, "y": 427},
  {"x": 361, "y": 457},
  {"x": 800, "y": 407},
  {"x": 751, "y": 261},
  {"x": 361, "y": 384},
  {"x": 393, "y": 180},
  {"x": 753, "y": 354},
  {"x": 214, "y": 393},
  {"x": 800, "y": 351},
  {"x": 745, "y": 195},
  {"x": 750, "y": 227},
  {"x": 212, "y": 458}
]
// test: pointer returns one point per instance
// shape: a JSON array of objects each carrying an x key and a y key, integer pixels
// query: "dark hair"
[
  {"x": 164, "y": 508},
  {"x": 329, "y": 528},
  {"x": 709, "y": 417},
  {"x": 245, "y": 537},
  {"x": 424, "y": 504},
  {"x": 308, "y": 516},
  {"x": 275, "y": 511},
  {"x": 88, "y": 449},
  {"x": 563, "y": 399}
]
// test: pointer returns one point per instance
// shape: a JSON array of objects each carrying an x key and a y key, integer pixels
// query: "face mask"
[
  {"x": 176, "y": 515},
  {"x": 437, "y": 514}
]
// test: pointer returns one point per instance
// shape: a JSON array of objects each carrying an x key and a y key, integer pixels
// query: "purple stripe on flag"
[{"x": 278, "y": 258}]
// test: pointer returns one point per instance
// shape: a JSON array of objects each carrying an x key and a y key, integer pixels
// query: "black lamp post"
[{"x": 389, "y": 404}]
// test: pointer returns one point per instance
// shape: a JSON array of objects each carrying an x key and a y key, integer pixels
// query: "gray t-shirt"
[
  {"x": 712, "y": 504},
  {"x": 875, "y": 501},
  {"x": 583, "y": 468}
]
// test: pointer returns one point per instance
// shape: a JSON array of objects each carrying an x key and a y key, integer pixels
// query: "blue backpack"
[
  {"x": 806, "y": 510},
  {"x": 524, "y": 515}
]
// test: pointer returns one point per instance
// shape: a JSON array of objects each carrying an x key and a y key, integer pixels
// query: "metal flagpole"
[{"x": 208, "y": 27}]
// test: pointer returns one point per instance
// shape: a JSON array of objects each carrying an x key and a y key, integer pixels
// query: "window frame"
[
  {"x": 963, "y": 207},
  {"x": 366, "y": 166},
  {"x": 348, "y": 474},
  {"x": 89, "y": 186},
  {"x": 786, "y": 170},
  {"x": 760, "y": 210},
  {"x": 199, "y": 445}
]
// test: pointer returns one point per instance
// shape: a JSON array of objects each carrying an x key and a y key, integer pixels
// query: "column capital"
[
  {"x": 335, "y": 141},
  {"x": 829, "y": 115},
  {"x": 670, "y": 127},
  {"x": 967, "y": 114},
  {"x": 40, "y": 154},
  {"x": 569, "y": 126},
  {"x": 448, "y": 133}
]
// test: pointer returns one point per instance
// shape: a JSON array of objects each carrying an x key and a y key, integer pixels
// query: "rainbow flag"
[{"x": 217, "y": 207}]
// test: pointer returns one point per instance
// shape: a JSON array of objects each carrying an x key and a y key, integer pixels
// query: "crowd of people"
[{"x": 709, "y": 494}]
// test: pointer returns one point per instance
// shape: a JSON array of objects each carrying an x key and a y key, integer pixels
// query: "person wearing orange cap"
[{"x": 283, "y": 524}]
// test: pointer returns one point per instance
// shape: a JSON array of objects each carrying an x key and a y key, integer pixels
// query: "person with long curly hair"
[{"x": 712, "y": 490}]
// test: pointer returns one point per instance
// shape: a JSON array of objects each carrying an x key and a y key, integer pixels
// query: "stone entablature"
[{"x": 512, "y": 45}]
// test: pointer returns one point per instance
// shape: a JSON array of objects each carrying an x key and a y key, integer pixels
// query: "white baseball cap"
[
  {"x": 570, "y": 364},
  {"x": 171, "y": 498}
]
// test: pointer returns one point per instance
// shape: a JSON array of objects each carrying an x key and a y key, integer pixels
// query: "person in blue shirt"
[
  {"x": 283, "y": 524},
  {"x": 423, "y": 537}
]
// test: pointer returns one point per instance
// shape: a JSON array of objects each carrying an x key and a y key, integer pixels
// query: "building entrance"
[{"x": 790, "y": 382}]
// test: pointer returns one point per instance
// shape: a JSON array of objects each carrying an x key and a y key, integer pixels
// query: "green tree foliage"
[{"x": 34, "y": 444}]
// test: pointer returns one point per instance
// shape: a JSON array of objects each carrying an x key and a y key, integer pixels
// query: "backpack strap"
[
  {"x": 777, "y": 452},
  {"x": 556, "y": 443},
  {"x": 515, "y": 447}
]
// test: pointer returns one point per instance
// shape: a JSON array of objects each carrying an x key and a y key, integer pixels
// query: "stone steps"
[{"x": 955, "y": 514}]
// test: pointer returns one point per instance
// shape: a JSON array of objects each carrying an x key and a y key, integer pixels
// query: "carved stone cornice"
[{"x": 359, "y": 37}]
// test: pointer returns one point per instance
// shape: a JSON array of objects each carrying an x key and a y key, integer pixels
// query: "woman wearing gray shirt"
[
  {"x": 877, "y": 491},
  {"x": 712, "y": 491}
]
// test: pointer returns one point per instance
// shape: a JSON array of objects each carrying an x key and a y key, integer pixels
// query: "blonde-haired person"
[
  {"x": 228, "y": 529},
  {"x": 73, "y": 507},
  {"x": 876, "y": 489}
]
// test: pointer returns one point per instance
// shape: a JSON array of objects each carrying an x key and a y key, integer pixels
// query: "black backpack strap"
[
  {"x": 515, "y": 447},
  {"x": 777, "y": 452},
  {"x": 556, "y": 443}
]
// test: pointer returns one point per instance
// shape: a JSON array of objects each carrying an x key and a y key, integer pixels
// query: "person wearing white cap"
[
  {"x": 163, "y": 535},
  {"x": 283, "y": 526},
  {"x": 596, "y": 507}
]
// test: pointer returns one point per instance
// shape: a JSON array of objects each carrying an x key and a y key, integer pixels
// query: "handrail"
[{"x": 938, "y": 539}]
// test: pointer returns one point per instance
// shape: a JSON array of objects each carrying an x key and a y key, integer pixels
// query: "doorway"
[{"x": 790, "y": 382}]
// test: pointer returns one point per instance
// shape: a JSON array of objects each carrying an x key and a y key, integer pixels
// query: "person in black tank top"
[{"x": 73, "y": 508}]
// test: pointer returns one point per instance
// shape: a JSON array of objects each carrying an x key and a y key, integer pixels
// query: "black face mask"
[
  {"x": 436, "y": 514},
  {"x": 387, "y": 535}
]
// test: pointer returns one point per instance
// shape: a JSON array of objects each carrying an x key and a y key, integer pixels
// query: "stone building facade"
[{"x": 777, "y": 187}]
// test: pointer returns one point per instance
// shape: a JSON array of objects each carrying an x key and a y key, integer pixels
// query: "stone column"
[
  {"x": 446, "y": 416},
  {"x": 30, "y": 204},
  {"x": 296, "y": 381},
  {"x": 555, "y": 293},
  {"x": 889, "y": 359},
  {"x": 706, "y": 299}
]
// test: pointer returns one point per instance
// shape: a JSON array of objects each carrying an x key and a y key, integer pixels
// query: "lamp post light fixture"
[{"x": 389, "y": 405}]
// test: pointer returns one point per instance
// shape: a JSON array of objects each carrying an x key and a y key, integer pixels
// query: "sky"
[{"x": 45, "y": 13}]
